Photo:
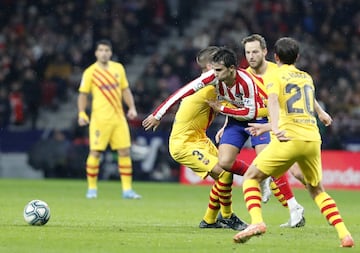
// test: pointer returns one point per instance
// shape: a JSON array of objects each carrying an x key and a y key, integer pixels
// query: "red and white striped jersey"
[{"x": 243, "y": 95}]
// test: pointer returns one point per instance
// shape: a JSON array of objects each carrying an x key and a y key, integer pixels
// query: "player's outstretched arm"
[
  {"x": 150, "y": 123},
  {"x": 256, "y": 129},
  {"x": 324, "y": 117}
]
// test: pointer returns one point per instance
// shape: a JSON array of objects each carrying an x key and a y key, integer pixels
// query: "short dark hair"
[
  {"x": 206, "y": 55},
  {"x": 227, "y": 56},
  {"x": 254, "y": 37},
  {"x": 103, "y": 42},
  {"x": 287, "y": 49}
]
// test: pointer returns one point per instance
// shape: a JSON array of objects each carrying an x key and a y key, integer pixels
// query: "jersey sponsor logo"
[
  {"x": 108, "y": 86},
  {"x": 239, "y": 95},
  {"x": 239, "y": 104}
]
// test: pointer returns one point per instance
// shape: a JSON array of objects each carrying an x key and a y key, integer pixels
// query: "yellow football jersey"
[
  {"x": 260, "y": 80},
  {"x": 105, "y": 86},
  {"x": 194, "y": 116},
  {"x": 188, "y": 143},
  {"x": 296, "y": 93}
]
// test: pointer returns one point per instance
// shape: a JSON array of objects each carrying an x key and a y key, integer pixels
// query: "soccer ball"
[{"x": 37, "y": 212}]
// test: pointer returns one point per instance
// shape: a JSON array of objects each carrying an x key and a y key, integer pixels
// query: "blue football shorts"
[{"x": 236, "y": 135}]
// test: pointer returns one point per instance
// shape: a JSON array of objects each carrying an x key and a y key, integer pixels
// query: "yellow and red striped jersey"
[
  {"x": 259, "y": 80},
  {"x": 296, "y": 94},
  {"x": 105, "y": 86}
]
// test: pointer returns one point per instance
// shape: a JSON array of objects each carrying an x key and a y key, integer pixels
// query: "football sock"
[
  {"x": 223, "y": 186},
  {"x": 252, "y": 197},
  {"x": 213, "y": 206},
  {"x": 292, "y": 203},
  {"x": 282, "y": 191},
  {"x": 92, "y": 171},
  {"x": 125, "y": 172},
  {"x": 330, "y": 211},
  {"x": 239, "y": 167},
  {"x": 278, "y": 195}
]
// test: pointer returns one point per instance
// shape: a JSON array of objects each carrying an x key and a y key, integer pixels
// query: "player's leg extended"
[
  {"x": 252, "y": 197},
  {"x": 224, "y": 189},
  {"x": 209, "y": 219},
  {"x": 283, "y": 192},
  {"x": 330, "y": 211},
  {"x": 227, "y": 217},
  {"x": 99, "y": 139},
  {"x": 201, "y": 157},
  {"x": 92, "y": 172},
  {"x": 120, "y": 140},
  {"x": 125, "y": 169},
  {"x": 259, "y": 143},
  {"x": 311, "y": 168},
  {"x": 265, "y": 164}
]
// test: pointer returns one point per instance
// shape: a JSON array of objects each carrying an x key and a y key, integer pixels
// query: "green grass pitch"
[{"x": 165, "y": 220}]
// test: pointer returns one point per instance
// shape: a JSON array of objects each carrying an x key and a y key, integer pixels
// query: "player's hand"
[
  {"x": 215, "y": 105},
  {"x": 325, "y": 118},
  {"x": 83, "y": 119},
  {"x": 132, "y": 113},
  {"x": 256, "y": 129},
  {"x": 150, "y": 123},
  {"x": 219, "y": 135},
  {"x": 280, "y": 135}
]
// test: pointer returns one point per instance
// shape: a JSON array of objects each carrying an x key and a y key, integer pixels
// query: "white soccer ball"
[{"x": 37, "y": 212}]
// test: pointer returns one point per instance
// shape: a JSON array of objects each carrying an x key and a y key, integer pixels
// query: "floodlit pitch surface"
[{"x": 165, "y": 220}]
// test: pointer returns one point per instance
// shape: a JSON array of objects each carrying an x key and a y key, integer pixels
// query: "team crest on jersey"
[
  {"x": 206, "y": 161},
  {"x": 198, "y": 86}
]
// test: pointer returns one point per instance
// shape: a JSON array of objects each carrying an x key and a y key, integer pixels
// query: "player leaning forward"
[
  {"x": 106, "y": 81},
  {"x": 296, "y": 139},
  {"x": 188, "y": 143}
]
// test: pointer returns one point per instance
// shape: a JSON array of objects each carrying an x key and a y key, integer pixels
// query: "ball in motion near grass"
[{"x": 37, "y": 212}]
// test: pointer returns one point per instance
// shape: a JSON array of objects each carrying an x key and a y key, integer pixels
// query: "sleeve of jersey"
[
  {"x": 190, "y": 88},
  {"x": 85, "y": 82},
  {"x": 250, "y": 100}
]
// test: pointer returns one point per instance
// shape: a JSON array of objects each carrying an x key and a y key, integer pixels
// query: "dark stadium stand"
[{"x": 44, "y": 46}]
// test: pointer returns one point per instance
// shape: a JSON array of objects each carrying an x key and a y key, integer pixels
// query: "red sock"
[
  {"x": 239, "y": 167},
  {"x": 283, "y": 184}
]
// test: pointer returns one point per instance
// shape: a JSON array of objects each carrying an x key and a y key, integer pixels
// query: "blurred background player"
[
  {"x": 107, "y": 83},
  {"x": 190, "y": 146},
  {"x": 296, "y": 139}
]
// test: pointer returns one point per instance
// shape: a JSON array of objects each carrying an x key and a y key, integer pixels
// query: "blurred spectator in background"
[
  {"x": 17, "y": 104},
  {"x": 51, "y": 156},
  {"x": 5, "y": 109},
  {"x": 48, "y": 37},
  {"x": 33, "y": 94}
]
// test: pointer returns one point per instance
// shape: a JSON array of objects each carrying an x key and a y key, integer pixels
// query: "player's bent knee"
[
  {"x": 255, "y": 173},
  {"x": 226, "y": 164}
]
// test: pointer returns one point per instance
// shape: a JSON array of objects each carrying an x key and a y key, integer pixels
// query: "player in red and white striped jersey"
[
  {"x": 239, "y": 90},
  {"x": 233, "y": 86}
]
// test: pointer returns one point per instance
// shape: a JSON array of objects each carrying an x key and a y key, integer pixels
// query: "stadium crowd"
[
  {"x": 45, "y": 46},
  {"x": 329, "y": 35}
]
